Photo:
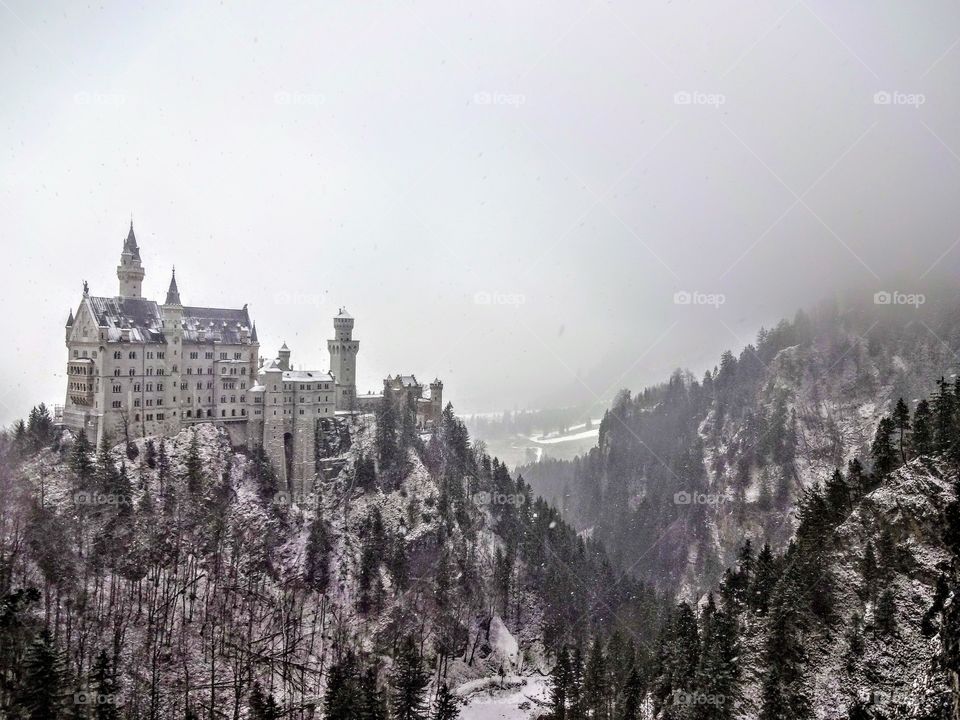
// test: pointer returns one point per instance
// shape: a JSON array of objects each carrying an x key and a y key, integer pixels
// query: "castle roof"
[
  {"x": 144, "y": 319},
  {"x": 141, "y": 317},
  {"x": 130, "y": 244},
  {"x": 220, "y": 324},
  {"x": 70, "y": 319},
  {"x": 253, "y": 334},
  {"x": 344, "y": 314}
]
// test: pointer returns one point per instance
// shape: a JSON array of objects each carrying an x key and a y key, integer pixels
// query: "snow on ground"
[{"x": 513, "y": 698}]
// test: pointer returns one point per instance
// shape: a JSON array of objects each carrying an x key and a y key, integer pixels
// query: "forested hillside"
[
  {"x": 173, "y": 578},
  {"x": 684, "y": 471}
]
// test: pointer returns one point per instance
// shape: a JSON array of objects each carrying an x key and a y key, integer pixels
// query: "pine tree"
[
  {"x": 81, "y": 461},
  {"x": 38, "y": 697},
  {"x": 151, "y": 454},
  {"x": 944, "y": 407},
  {"x": 316, "y": 572},
  {"x": 372, "y": 704},
  {"x": 764, "y": 580},
  {"x": 632, "y": 697},
  {"x": 718, "y": 672},
  {"x": 559, "y": 685},
  {"x": 923, "y": 429},
  {"x": 106, "y": 689},
  {"x": 447, "y": 707},
  {"x": 262, "y": 705},
  {"x": 882, "y": 450},
  {"x": 837, "y": 496},
  {"x": 901, "y": 422},
  {"x": 784, "y": 693},
  {"x": 409, "y": 682},
  {"x": 342, "y": 692},
  {"x": 594, "y": 683}
]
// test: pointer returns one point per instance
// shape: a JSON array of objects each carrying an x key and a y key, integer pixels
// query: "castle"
[{"x": 138, "y": 368}]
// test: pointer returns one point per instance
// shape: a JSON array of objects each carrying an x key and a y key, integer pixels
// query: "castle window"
[
  {"x": 115, "y": 403},
  {"x": 149, "y": 387},
  {"x": 149, "y": 402},
  {"x": 137, "y": 417},
  {"x": 136, "y": 402},
  {"x": 209, "y": 413},
  {"x": 159, "y": 401},
  {"x": 136, "y": 387},
  {"x": 116, "y": 354},
  {"x": 132, "y": 372},
  {"x": 193, "y": 355},
  {"x": 76, "y": 353},
  {"x": 243, "y": 411},
  {"x": 116, "y": 388},
  {"x": 149, "y": 416},
  {"x": 116, "y": 372},
  {"x": 200, "y": 386},
  {"x": 189, "y": 413},
  {"x": 223, "y": 356},
  {"x": 242, "y": 398},
  {"x": 160, "y": 355},
  {"x": 208, "y": 355},
  {"x": 159, "y": 416},
  {"x": 133, "y": 354},
  {"x": 233, "y": 412},
  {"x": 236, "y": 356},
  {"x": 301, "y": 411},
  {"x": 223, "y": 413},
  {"x": 223, "y": 398},
  {"x": 159, "y": 387},
  {"x": 149, "y": 355},
  {"x": 243, "y": 371}
]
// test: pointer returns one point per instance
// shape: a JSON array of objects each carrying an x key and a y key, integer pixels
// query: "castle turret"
[
  {"x": 284, "y": 357},
  {"x": 343, "y": 360},
  {"x": 130, "y": 272},
  {"x": 172, "y": 312},
  {"x": 69, "y": 325}
]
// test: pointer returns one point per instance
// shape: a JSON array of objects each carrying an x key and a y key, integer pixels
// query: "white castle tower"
[
  {"x": 130, "y": 272},
  {"x": 343, "y": 360}
]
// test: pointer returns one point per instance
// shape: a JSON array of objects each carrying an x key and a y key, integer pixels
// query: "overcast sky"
[{"x": 505, "y": 195}]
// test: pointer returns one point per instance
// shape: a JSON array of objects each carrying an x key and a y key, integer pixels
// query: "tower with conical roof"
[
  {"x": 130, "y": 271},
  {"x": 172, "y": 313},
  {"x": 343, "y": 360}
]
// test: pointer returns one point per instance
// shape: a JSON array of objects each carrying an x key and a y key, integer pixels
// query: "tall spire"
[
  {"x": 130, "y": 271},
  {"x": 173, "y": 293},
  {"x": 130, "y": 244}
]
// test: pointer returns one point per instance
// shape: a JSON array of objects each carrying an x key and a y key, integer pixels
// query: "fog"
[{"x": 538, "y": 202}]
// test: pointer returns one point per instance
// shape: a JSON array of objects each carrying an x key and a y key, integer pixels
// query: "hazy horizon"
[{"x": 510, "y": 199}]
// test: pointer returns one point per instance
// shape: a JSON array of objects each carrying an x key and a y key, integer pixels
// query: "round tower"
[
  {"x": 172, "y": 312},
  {"x": 284, "y": 357},
  {"x": 343, "y": 360},
  {"x": 130, "y": 271}
]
